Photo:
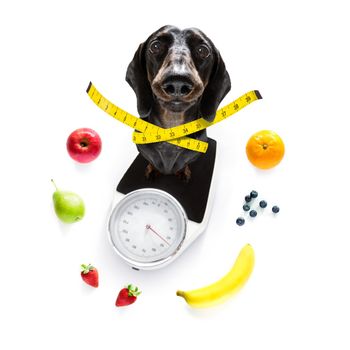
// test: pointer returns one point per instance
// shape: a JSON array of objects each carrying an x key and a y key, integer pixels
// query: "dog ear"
[
  {"x": 136, "y": 76},
  {"x": 218, "y": 86}
]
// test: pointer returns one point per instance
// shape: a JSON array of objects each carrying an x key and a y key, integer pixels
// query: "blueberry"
[
  {"x": 253, "y": 194},
  {"x": 246, "y": 207},
  {"x": 240, "y": 221},
  {"x": 248, "y": 198},
  {"x": 263, "y": 204},
  {"x": 253, "y": 213},
  {"x": 275, "y": 209}
]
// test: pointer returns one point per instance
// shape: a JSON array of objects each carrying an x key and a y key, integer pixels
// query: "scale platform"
[{"x": 195, "y": 197}]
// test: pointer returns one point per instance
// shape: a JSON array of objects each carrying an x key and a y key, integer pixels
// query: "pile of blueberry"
[{"x": 253, "y": 213}]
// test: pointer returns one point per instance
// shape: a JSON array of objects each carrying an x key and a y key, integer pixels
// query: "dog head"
[{"x": 178, "y": 68}]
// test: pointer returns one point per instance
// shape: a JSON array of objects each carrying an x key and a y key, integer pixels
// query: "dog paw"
[
  {"x": 184, "y": 174},
  {"x": 151, "y": 173}
]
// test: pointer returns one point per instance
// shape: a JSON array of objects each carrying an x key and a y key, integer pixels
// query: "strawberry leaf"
[
  {"x": 86, "y": 268},
  {"x": 133, "y": 291}
]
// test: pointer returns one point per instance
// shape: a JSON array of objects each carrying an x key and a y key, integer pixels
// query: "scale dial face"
[{"x": 147, "y": 227}]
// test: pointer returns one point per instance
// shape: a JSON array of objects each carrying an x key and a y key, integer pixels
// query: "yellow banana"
[{"x": 225, "y": 287}]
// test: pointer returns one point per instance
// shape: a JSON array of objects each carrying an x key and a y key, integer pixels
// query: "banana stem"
[{"x": 180, "y": 293}]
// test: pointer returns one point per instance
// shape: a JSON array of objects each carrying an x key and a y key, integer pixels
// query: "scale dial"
[{"x": 147, "y": 227}]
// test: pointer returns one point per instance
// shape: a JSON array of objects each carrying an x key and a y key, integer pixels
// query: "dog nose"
[{"x": 177, "y": 86}]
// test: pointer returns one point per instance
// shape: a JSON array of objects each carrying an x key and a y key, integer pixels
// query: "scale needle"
[{"x": 150, "y": 228}]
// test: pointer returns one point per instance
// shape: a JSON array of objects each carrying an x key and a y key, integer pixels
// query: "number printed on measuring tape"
[{"x": 149, "y": 133}]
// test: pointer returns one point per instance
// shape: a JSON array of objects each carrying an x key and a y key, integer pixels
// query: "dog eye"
[
  {"x": 203, "y": 51},
  {"x": 156, "y": 47}
]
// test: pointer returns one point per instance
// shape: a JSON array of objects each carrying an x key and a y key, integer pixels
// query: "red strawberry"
[
  {"x": 89, "y": 274},
  {"x": 127, "y": 295}
]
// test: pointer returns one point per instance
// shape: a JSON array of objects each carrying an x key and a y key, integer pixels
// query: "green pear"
[{"x": 69, "y": 207}]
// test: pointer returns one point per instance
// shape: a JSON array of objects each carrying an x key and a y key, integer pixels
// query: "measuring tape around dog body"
[{"x": 150, "y": 133}]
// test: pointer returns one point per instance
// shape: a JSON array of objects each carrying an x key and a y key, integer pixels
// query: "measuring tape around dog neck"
[{"x": 150, "y": 133}]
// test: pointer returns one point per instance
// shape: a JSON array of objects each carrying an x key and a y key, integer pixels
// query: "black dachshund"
[{"x": 178, "y": 76}]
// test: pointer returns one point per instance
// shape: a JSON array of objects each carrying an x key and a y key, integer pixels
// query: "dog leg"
[
  {"x": 151, "y": 172},
  {"x": 184, "y": 174}
]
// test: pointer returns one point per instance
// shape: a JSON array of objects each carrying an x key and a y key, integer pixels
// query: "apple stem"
[{"x": 54, "y": 184}]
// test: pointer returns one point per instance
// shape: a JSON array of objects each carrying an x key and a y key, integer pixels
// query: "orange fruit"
[{"x": 265, "y": 149}]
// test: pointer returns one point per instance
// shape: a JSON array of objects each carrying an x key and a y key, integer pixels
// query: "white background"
[{"x": 296, "y": 54}]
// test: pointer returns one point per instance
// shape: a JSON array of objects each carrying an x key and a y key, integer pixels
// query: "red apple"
[{"x": 84, "y": 145}]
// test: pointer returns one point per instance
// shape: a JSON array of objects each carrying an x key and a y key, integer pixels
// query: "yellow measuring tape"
[{"x": 150, "y": 133}]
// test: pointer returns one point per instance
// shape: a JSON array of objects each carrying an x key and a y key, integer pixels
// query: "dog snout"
[{"x": 177, "y": 86}]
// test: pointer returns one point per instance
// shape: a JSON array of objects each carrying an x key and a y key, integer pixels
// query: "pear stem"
[{"x": 54, "y": 184}]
